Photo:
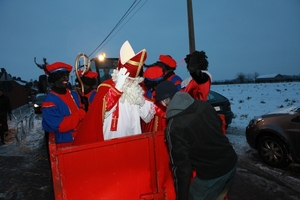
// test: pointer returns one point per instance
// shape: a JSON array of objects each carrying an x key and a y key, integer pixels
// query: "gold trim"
[
  {"x": 141, "y": 62},
  {"x": 155, "y": 123},
  {"x": 138, "y": 64},
  {"x": 110, "y": 86},
  {"x": 135, "y": 63}
]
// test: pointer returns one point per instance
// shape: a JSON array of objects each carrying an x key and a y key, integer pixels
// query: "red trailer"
[{"x": 132, "y": 167}]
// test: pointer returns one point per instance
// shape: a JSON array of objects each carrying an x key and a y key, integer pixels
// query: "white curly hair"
[{"x": 132, "y": 91}]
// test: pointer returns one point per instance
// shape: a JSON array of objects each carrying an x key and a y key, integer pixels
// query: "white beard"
[{"x": 132, "y": 91}]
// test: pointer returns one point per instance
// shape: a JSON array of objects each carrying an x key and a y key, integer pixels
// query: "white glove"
[{"x": 122, "y": 75}]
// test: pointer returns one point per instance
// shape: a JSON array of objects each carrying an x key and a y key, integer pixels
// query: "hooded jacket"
[{"x": 196, "y": 142}]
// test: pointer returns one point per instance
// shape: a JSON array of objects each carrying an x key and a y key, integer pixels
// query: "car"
[
  {"x": 276, "y": 136},
  {"x": 221, "y": 104},
  {"x": 37, "y": 105}
]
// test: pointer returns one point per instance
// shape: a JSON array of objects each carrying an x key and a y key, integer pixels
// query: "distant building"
[
  {"x": 269, "y": 78},
  {"x": 14, "y": 89}
]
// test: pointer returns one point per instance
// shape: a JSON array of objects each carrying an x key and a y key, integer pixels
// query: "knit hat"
[{"x": 164, "y": 90}]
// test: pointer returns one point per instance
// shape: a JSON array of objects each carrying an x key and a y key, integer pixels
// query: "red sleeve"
[
  {"x": 71, "y": 121},
  {"x": 111, "y": 98},
  {"x": 112, "y": 95},
  {"x": 198, "y": 91}
]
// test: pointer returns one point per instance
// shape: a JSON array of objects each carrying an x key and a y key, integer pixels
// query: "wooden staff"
[{"x": 87, "y": 68}]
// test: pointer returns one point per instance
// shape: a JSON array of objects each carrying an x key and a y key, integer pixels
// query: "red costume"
[{"x": 196, "y": 90}]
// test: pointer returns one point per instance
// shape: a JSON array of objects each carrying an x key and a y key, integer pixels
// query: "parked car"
[
  {"x": 276, "y": 136},
  {"x": 222, "y": 105},
  {"x": 38, "y": 102}
]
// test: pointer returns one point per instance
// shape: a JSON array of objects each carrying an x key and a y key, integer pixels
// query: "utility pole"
[{"x": 191, "y": 26}]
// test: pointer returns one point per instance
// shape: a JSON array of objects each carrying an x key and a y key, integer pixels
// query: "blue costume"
[{"x": 61, "y": 114}]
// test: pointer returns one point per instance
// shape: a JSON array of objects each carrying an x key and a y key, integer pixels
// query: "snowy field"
[{"x": 250, "y": 100}]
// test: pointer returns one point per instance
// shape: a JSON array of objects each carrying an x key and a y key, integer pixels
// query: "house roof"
[
  {"x": 5, "y": 77},
  {"x": 20, "y": 82},
  {"x": 268, "y": 76}
]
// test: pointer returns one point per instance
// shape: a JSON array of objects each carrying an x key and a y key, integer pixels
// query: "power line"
[
  {"x": 127, "y": 13},
  {"x": 124, "y": 24}
]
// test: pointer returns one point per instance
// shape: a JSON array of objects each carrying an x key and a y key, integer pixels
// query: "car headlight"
[
  {"x": 255, "y": 120},
  {"x": 35, "y": 105}
]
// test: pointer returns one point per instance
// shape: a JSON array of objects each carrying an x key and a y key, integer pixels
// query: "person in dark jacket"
[
  {"x": 196, "y": 142},
  {"x": 5, "y": 110}
]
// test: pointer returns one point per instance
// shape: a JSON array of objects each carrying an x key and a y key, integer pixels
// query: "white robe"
[{"x": 129, "y": 119}]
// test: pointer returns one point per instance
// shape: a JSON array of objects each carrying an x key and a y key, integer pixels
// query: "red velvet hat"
[
  {"x": 154, "y": 73},
  {"x": 58, "y": 66},
  {"x": 168, "y": 60},
  {"x": 89, "y": 74},
  {"x": 131, "y": 61}
]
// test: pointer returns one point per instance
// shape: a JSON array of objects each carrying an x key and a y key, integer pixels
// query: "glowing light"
[{"x": 102, "y": 56}]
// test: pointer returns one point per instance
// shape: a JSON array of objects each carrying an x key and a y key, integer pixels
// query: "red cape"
[{"x": 91, "y": 128}]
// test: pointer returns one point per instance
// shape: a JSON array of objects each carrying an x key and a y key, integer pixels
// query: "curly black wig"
[{"x": 196, "y": 61}]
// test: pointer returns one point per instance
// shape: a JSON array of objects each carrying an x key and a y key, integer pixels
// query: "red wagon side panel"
[{"x": 135, "y": 167}]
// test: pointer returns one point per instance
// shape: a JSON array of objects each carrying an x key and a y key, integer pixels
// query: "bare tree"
[
  {"x": 241, "y": 77},
  {"x": 250, "y": 77},
  {"x": 256, "y": 74}
]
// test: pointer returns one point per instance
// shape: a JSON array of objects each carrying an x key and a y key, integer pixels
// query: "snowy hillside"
[{"x": 249, "y": 100}]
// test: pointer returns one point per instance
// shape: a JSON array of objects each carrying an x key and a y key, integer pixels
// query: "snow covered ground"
[
  {"x": 250, "y": 100},
  {"x": 25, "y": 134}
]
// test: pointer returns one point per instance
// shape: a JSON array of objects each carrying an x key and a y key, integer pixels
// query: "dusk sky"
[{"x": 251, "y": 36}]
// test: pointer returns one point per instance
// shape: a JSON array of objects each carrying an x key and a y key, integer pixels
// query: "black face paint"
[{"x": 63, "y": 81}]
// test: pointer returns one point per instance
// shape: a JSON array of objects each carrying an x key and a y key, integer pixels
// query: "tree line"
[{"x": 252, "y": 78}]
